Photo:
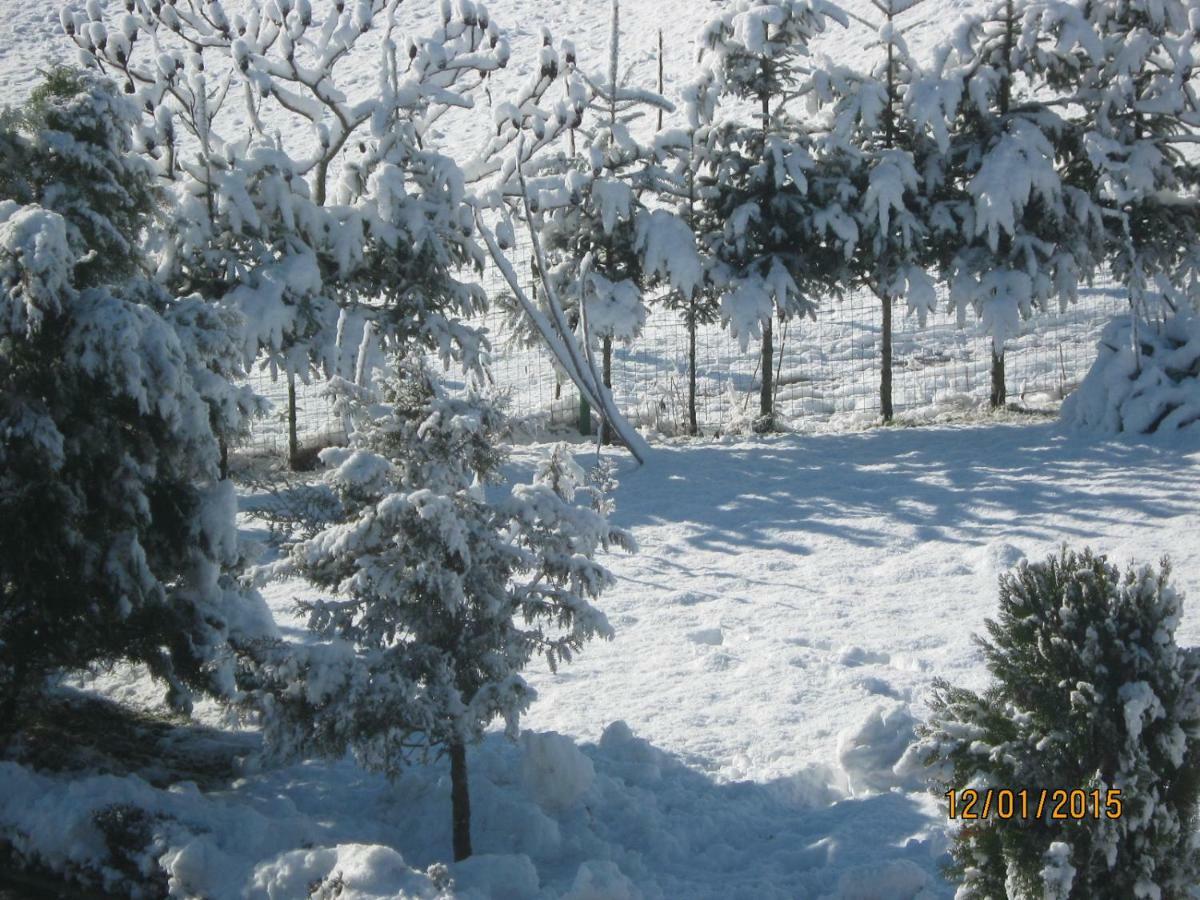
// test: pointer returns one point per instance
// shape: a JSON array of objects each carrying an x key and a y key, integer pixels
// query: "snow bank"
[
  {"x": 1156, "y": 390},
  {"x": 869, "y": 751}
]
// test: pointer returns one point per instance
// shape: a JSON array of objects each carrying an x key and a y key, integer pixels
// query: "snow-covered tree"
[
  {"x": 1092, "y": 695},
  {"x": 344, "y": 215},
  {"x": 674, "y": 178},
  {"x": 1025, "y": 235},
  {"x": 1125, "y": 72},
  {"x": 758, "y": 218},
  {"x": 881, "y": 157},
  {"x": 440, "y": 586},
  {"x": 117, "y": 538},
  {"x": 603, "y": 239}
]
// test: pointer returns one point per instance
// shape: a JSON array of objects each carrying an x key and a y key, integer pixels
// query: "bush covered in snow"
[
  {"x": 1145, "y": 379},
  {"x": 1091, "y": 693}
]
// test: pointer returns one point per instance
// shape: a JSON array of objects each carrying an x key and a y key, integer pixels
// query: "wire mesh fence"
[
  {"x": 827, "y": 368},
  {"x": 826, "y": 376}
]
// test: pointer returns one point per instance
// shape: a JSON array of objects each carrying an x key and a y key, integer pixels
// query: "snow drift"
[{"x": 1155, "y": 388}]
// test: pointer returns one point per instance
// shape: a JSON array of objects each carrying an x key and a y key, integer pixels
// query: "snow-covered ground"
[{"x": 775, "y": 638}]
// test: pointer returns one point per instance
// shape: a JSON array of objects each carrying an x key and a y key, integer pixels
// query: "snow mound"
[
  {"x": 555, "y": 770},
  {"x": 602, "y": 880},
  {"x": 1156, "y": 390},
  {"x": 348, "y": 871},
  {"x": 491, "y": 876},
  {"x": 896, "y": 879},
  {"x": 869, "y": 751},
  {"x": 996, "y": 557}
]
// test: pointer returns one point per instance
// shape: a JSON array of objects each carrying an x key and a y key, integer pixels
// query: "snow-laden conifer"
[
  {"x": 758, "y": 218},
  {"x": 117, "y": 538},
  {"x": 882, "y": 151},
  {"x": 438, "y": 586}
]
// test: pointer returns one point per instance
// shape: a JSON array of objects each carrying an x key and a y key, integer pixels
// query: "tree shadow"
[{"x": 960, "y": 484}]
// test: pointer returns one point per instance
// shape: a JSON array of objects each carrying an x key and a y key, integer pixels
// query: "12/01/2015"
[{"x": 1026, "y": 803}]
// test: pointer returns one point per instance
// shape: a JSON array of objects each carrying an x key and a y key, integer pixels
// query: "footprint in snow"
[
  {"x": 852, "y": 655},
  {"x": 711, "y": 636}
]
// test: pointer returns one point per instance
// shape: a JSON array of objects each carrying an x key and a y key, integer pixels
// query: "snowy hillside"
[{"x": 33, "y": 39}]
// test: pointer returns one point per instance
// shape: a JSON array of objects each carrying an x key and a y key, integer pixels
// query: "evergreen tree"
[
  {"x": 117, "y": 540},
  {"x": 439, "y": 589},
  {"x": 1124, "y": 71},
  {"x": 675, "y": 182},
  {"x": 881, "y": 154},
  {"x": 1023, "y": 237},
  {"x": 758, "y": 220},
  {"x": 1090, "y": 693},
  {"x": 594, "y": 221}
]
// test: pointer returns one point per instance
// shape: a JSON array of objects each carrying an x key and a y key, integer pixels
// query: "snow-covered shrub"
[
  {"x": 438, "y": 589},
  {"x": 1155, "y": 387},
  {"x": 1090, "y": 694},
  {"x": 117, "y": 540}
]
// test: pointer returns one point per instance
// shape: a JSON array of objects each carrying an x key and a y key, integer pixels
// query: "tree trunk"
[
  {"x": 585, "y": 416},
  {"x": 224, "y": 448},
  {"x": 693, "y": 425},
  {"x": 460, "y": 801},
  {"x": 293, "y": 439},
  {"x": 10, "y": 704},
  {"x": 885, "y": 363},
  {"x": 999, "y": 391},
  {"x": 606, "y": 350},
  {"x": 768, "y": 377}
]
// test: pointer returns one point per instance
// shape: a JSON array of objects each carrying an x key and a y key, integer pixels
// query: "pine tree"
[
  {"x": 1123, "y": 71},
  {"x": 440, "y": 587},
  {"x": 684, "y": 265},
  {"x": 117, "y": 540},
  {"x": 1089, "y": 693},
  {"x": 757, "y": 217},
  {"x": 594, "y": 221},
  {"x": 881, "y": 153},
  {"x": 1022, "y": 236}
]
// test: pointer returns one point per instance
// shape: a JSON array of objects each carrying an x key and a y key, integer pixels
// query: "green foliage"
[
  {"x": 68, "y": 149},
  {"x": 116, "y": 542},
  {"x": 1090, "y": 692}
]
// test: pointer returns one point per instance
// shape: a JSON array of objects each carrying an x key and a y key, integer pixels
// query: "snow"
[
  {"x": 1156, "y": 389},
  {"x": 744, "y": 734},
  {"x": 774, "y": 639}
]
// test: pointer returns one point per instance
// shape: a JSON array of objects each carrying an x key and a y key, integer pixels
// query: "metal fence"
[{"x": 827, "y": 368}]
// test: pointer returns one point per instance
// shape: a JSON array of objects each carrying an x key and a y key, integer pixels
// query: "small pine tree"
[
  {"x": 1022, "y": 236},
  {"x": 438, "y": 594},
  {"x": 117, "y": 538},
  {"x": 883, "y": 168},
  {"x": 757, "y": 216},
  {"x": 1090, "y": 693}
]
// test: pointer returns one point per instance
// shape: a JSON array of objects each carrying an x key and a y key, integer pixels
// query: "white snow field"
[{"x": 776, "y": 635}]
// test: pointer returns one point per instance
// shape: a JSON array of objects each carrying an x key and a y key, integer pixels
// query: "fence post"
[
  {"x": 293, "y": 439},
  {"x": 585, "y": 416}
]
